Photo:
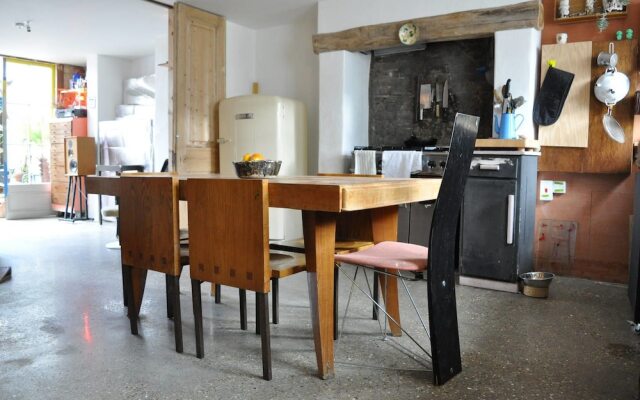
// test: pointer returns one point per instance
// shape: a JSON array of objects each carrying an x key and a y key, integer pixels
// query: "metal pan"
[{"x": 612, "y": 127}]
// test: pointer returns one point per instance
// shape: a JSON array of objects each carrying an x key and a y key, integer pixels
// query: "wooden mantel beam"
[{"x": 470, "y": 24}]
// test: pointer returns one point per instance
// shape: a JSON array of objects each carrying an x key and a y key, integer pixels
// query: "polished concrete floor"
[{"x": 64, "y": 335}]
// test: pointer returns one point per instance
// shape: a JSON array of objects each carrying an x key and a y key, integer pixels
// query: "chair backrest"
[
  {"x": 149, "y": 222},
  {"x": 449, "y": 201},
  {"x": 229, "y": 232},
  {"x": 165, "y": 166},
  {"x": 442, "y": 250}
]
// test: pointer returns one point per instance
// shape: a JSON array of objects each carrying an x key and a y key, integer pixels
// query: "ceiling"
[
  {"x": 256, "y": 14},
  {"x": 66, "y": 32}
]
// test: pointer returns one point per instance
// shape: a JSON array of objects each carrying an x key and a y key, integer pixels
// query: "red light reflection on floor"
[{"x": 87, "y": 328}]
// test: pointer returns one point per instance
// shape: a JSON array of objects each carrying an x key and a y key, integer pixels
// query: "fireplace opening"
[{"x": 394, "y": 91}]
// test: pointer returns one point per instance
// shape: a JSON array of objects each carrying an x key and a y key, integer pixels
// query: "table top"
[{"x": 317, "y": 193}]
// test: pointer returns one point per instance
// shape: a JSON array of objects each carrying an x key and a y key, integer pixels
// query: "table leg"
[
  {"x": 384, "y": 225},
  {"x": 319, "y": 238}
]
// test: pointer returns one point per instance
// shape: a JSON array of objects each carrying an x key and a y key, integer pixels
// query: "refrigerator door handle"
[{"x": 511, "y": 208}]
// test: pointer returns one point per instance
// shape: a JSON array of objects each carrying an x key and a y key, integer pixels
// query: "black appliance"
[{"x": 497, "y": 220}]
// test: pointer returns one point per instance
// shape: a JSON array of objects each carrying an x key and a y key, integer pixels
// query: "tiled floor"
[{"x": 64, "y": 335}]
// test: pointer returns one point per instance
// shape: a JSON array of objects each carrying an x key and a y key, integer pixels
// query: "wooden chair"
[
  {"x": 150, "y": 241},
  {"x": 438, "y": 260},
  {"x": 229, "y": 245}
]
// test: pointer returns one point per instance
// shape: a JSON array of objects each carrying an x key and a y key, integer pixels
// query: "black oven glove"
[{"x": 553, "y": 93}]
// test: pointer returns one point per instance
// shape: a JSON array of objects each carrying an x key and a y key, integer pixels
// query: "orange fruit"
[
  {"x": 246, "y": 157},
  {"x": 256, "y": 157}
]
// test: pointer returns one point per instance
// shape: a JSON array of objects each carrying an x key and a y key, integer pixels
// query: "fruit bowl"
[{"x": 257, "y": 168}]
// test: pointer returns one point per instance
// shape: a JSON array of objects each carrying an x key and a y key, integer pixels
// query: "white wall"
[
  {"x": 241, "y": 59},
  {"x": 92, "y": 94},
  {"x": 142, "y": 66},
  {"x": 517, "y": 54},
  {"x": 105, "y": 75},
  {"x": 161, "y": 120},
  {"x": 341, "y": 121},
  {"x": 343, "y": 108},
  {"x": 287, "y": 66}
]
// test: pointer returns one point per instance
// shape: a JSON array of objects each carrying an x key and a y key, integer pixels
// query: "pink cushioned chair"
[{"x": 402, "y": 259}]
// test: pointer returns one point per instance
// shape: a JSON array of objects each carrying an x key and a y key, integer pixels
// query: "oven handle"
[
  {"x": 511, "y": 208},
  {"x": 490, "y": 167}
]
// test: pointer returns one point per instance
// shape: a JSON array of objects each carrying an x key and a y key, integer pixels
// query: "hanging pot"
[{"x": 611, "y": 87}]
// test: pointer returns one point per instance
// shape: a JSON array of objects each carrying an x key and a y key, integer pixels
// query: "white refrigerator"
[{"x": 276, "y": 127}]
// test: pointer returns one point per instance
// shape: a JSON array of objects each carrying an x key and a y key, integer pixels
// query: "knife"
[
  {"x": 438, "y": 99},
  {"x": 445, "y": 94}
]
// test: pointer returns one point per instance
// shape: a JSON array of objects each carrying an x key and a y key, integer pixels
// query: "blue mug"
[{"x": 508, "y": 126}]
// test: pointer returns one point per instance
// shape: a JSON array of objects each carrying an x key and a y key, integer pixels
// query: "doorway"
[{"x": 27, "y": 105}]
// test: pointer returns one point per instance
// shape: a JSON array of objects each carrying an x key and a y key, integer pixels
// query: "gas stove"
[{"x": 434, "y": 159}]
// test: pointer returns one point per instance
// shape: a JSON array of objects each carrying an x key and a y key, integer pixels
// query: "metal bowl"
[
  {"x": 257, "y": 169},
  {"x": 537, "y": 279}
]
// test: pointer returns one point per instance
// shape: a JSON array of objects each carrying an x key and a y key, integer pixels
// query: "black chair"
[{"x": 394, "y": 258}]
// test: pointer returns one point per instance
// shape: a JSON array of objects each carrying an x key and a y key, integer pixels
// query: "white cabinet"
[{"x": 277, "y": 128}]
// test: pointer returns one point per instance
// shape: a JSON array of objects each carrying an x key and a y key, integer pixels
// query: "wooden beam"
[{"x": 470, "y": 24}]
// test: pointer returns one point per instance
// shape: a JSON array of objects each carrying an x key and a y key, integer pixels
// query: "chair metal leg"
[
  {"x": 218, "y": 294},
  {"x": 275, "y": 283},
  {"x": 263, "y": 304},
  {"x": 336, "y": 281},
  {"x": 167, "y": 280},
  {"x": 133, "y": 316},
  {"x": 243, "y": 309},
  {"x": 257, "y": 315},
  {"x": 375, "y": 295},
  {"x": 124, "y": 288},
  {"x": 197, "y": 316},
  {"x": 177, "y": 315}
]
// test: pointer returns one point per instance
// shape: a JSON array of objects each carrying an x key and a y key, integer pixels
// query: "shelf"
[{"x": 576, "y": 10}]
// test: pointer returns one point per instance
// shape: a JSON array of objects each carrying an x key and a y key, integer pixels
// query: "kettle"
[{"x": 611, "y": 87}]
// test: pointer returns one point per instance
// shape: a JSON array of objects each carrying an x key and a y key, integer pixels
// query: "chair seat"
[
  {"x": 389, "y": 255},
  {"x": 184, "y": 234},
  {"x": 111, "y": 212},
  {"x": 342, "y": 246},
  {"x": 284, "y": 263},
  {"x": 184, "y": 254}
]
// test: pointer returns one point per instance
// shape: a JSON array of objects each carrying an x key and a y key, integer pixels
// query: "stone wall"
[{"x": 394, "y": 82}]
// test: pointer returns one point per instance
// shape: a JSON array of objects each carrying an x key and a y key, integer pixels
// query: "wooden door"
[{"x": 197, "y": 55}]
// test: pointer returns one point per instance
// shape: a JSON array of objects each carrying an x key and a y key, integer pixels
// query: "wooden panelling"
[
  {"x": 440, "y": 28},
  {"x": 578, "y": 7},
  {"x": 603, "y": 155},
  {"x": 607, "y": 155},
  {"x": 198, "y": 86},
  {"x": 572, "y": 128}
]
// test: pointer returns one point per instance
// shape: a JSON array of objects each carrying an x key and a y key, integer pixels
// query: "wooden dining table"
[{"x": 322, "y": 199}]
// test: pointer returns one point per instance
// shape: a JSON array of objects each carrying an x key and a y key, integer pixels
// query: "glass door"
[{"x": 29, "y": 104}]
